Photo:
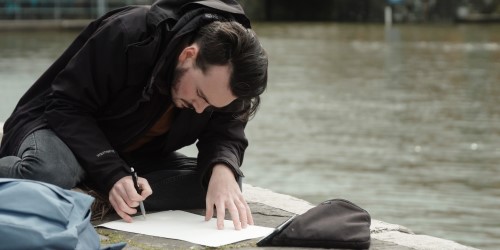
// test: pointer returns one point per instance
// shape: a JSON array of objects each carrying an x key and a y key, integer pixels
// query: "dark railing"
[
  {"x": 61, "y": 9},
  {"x": 278, "y": 10}
]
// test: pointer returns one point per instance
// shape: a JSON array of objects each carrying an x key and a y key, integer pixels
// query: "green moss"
[
  {"x": 236, "y": 246},
  {"x": 113, "y": 237}
]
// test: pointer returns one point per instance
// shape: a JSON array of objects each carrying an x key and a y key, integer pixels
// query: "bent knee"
[{"x": 59, "y": 173}]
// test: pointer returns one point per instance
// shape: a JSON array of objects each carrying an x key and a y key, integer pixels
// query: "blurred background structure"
[
  {"x": 403, "y": 120},
  {"x": 280, "y": 10},
  {"x": 61, "y": 9}
]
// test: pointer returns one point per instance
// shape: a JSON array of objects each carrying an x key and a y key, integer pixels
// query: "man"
[{"x": 135, "y": 86}]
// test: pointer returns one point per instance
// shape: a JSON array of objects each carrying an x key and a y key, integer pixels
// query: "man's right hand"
[{"x": 124, "y": 198}]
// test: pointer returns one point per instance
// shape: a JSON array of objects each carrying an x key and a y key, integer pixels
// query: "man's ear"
[{"x": 188, "y": 53}]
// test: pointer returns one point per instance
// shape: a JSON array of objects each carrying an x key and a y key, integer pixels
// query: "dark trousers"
[
  {"x": 175, "y": 181},
  {"x": 174, "y": 178}
]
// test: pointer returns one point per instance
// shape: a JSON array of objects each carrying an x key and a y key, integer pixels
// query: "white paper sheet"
[{"x": 189, "y": 227}]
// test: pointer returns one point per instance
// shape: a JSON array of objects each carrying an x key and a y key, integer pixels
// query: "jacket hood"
[{"x": 172, "y": 10}]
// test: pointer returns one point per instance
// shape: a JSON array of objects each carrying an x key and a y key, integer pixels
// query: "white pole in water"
[
  {"x": 101, "y": 7},
  {"x": 388, "y": 16}
]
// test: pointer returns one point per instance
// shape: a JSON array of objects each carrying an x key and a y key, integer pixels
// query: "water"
[{"x": 404, "y": 122}]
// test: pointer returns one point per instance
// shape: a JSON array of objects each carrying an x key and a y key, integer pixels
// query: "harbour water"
[{"x": 404, "y": 121}]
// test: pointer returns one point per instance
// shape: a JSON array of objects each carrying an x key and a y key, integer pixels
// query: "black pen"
[{"x": 139, "y": 191}]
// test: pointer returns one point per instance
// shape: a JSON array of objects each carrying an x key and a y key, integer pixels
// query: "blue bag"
[{"x": 37, "y": 215}]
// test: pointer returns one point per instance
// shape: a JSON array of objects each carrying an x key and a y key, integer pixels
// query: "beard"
[
  {"x": 174, "y": 89},
  {"x": 178, "y": 74}
]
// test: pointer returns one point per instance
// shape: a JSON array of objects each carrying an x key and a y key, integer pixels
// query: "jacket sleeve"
[
  {"x": 222, "y": 141},
  {"x": 80, "y": 91}
]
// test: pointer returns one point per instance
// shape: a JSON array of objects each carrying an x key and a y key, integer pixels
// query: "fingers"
[
  {"x": 130, "y": 195},
  {"x": 121, "y": 208},
  {"x": 221, "y": 213},
  {"x": 235, "y": 216},
  {"x": 242, "y": 209},
  {"x": 240, "y": 213},
  {"x": 146, "y": 189},
  {"x": 249, "y": 214},
  {"x": 210, "y": 211},
  {"x": 124, "y": 197},
  {"x": 224, "y": 193}
]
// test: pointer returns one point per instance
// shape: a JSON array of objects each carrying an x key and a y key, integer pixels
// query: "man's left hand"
[{"x": 224, "y": 193}]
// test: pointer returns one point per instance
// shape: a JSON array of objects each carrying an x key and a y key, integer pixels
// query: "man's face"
[{"x": 195, "y": 90}]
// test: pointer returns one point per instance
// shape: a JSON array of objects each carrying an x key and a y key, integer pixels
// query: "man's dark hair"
[{"x": 223, "y": 43}]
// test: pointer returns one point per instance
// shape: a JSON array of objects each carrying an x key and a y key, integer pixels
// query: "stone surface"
[
  {"x": 384, "y": 235},
  {"x": 263, "y": 216},
  {"x": 270, "y": 209}
]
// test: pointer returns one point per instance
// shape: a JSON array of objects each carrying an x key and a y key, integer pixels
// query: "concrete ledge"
[
  {"x": 270, "y": 209},
  {"x": 389, "y": 235}
]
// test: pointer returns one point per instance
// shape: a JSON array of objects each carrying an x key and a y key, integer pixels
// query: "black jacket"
[{"x": 103, "y": 92}]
